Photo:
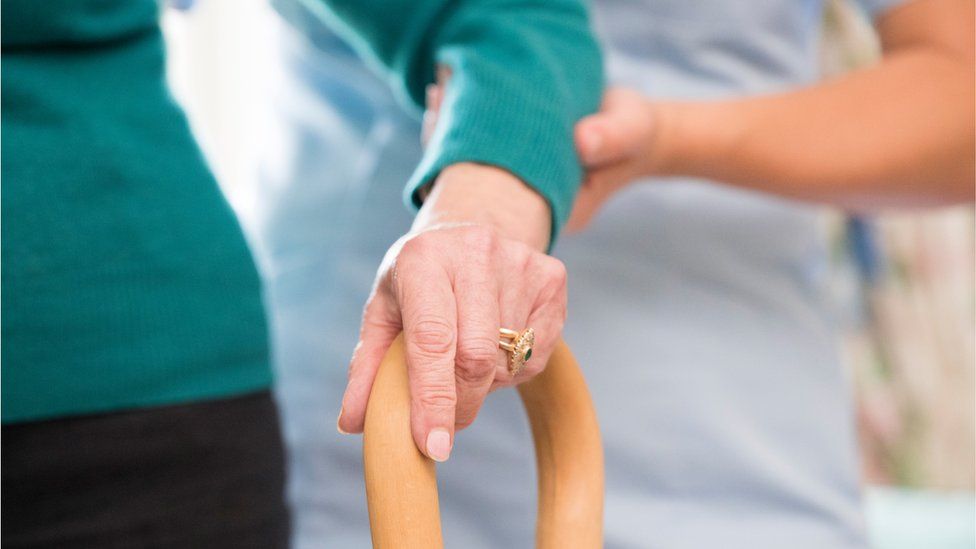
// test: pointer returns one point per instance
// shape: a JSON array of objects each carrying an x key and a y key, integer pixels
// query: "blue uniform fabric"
[{"x": 700, "y": 313}]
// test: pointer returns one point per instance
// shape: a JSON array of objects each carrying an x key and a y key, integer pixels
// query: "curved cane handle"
[{"x": 401, "y": 484}]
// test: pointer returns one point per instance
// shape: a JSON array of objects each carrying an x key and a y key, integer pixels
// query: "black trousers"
[{"x": 197, "y": 475}]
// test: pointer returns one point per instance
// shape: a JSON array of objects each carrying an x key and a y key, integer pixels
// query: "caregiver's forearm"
[{"x": 900, "y": 133}]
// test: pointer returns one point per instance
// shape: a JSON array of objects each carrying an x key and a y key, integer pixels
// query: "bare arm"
[{"x": 900, "y": 133}]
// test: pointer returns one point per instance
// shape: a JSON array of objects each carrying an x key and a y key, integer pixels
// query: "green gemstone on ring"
[{"x": 528, "y": 354}]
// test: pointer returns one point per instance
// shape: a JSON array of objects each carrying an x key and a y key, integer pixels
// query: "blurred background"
[{"x": 904, "y": 283}]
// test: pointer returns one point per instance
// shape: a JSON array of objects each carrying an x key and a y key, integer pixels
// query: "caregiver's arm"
[
  {"x": 897, "y": 134},
  {"x": 505, "y": 173}
]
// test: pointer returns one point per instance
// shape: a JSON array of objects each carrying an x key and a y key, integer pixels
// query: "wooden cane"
[{"x": 401, "y": 484}]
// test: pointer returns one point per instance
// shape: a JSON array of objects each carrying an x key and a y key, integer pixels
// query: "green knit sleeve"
[{"x": 523, "y": 73}]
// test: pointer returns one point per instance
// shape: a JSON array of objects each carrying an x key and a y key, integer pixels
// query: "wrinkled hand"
[
  {"x": 616, "y": 146},
  {"x": 450, "y": 285}
]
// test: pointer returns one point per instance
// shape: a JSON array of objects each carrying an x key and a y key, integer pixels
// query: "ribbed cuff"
[{"x": 506, "y": 124}]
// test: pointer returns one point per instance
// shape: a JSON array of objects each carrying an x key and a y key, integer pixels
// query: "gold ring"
[{"x": 519, "y": 347}]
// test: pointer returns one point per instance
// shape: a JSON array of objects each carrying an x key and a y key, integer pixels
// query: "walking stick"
[{"x": 401, "y": 485}]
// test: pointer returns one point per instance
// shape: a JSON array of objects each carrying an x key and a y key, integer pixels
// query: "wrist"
[
  {"x": 690, "y": 139},
  {"x": 476, "y": 193},
  {"x": 668, "y": 145}
]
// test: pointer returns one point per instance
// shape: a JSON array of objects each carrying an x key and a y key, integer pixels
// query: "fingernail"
[
  {"x": 338, "y": 428},
  {"x": 439, "y": 445}
]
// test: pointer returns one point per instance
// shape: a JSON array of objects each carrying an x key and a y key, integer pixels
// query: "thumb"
[
  {"x": 381, "y": 324},
  {"x": 619, "y": 130}
]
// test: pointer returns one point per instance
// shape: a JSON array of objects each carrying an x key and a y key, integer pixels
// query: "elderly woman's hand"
[{"x": 472, "y": 264}]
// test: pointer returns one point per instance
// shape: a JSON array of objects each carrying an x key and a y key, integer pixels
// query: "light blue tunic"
[{"x": 699, "y": 313}]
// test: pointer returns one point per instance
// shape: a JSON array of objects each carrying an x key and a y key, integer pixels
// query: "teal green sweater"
[{"x": 126, "y": 281}]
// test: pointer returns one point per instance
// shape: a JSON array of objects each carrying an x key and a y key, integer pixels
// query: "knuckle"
[
  {"x": 432, "y": 336},
  {"x": 407, "y": 245},
  {"x": 438, "y": 397},
  {"x": 416, "y": 245},
  {"x": 555, "y": 271},
  {"x": 476, "y": 357},
  {"x": 550, "y": 290},
  {"x": 554, "y": 279}
]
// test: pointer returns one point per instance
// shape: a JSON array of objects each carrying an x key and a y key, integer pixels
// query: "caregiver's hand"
[
  {"x": 472, "y": 263},
  {"x": 896, "y": 134},
  {"x": 617, "y": 145}
]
